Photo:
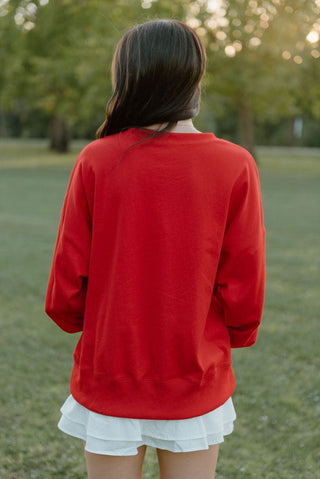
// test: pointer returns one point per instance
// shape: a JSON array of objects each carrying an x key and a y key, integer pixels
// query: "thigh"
[
  {"x": 188, "y": 465},
  {"x": 115, "y": 467}
]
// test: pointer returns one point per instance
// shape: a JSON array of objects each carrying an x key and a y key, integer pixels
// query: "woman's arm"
[
  {"x": 240, "y": 280},
  {"x": 67, "y": 285}
]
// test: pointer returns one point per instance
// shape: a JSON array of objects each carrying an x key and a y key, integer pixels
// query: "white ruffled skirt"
[{"x": 118, "y": 436}]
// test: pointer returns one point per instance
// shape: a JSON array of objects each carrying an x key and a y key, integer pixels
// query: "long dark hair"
[{"x": 156, "y": 72}]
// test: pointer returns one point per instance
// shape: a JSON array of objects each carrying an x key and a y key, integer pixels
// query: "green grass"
[{"x": 277, "y": 397}]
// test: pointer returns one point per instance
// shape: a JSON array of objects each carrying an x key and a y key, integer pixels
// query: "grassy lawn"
[{"x": 277, "y": 398}]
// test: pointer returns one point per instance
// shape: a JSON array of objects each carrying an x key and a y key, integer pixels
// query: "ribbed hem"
[{"x": 177, "y": 398}]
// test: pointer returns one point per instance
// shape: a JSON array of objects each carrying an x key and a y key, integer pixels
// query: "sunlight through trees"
[{"x": 263, "y": 60}]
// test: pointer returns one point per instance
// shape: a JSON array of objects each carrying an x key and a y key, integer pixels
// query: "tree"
[
  {"x": 249, "y": 44},
  {"x": 61, "y": 56}
]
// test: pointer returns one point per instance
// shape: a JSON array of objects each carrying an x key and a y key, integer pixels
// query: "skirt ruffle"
[{"x": 117, "y": 436}]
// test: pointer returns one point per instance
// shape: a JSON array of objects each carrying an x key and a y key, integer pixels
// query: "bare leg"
[
  {"x": 115, "y": 467},
  {"x": 188, "y": 465}
]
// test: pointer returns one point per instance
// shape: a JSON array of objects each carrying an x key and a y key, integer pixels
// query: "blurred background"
[
  {"x": 262, "y": 84},
  {"x": 261, "y": 90}
]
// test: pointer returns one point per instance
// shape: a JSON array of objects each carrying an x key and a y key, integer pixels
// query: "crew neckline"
[{"x": 174, "y": 133}]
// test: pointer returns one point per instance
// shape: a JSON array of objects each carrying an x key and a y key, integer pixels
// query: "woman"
[{"x": 160, "y": 263}]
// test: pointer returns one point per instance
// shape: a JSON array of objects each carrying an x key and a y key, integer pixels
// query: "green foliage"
[
  {"x": 56, "y": 56},
  {"x": 62, "y": 64},
  {"x": 248, "y": 39}
]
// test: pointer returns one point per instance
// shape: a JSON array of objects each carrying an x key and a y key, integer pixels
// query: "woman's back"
[{"x": 156, "y": 341}]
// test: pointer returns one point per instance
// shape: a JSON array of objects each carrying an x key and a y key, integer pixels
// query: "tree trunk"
[
  {"x": 3, "y": 126},
  {"x": 59, "y": 134},
  {"x": 290, "y": 132},
  {"x": 246, "y": 129}
]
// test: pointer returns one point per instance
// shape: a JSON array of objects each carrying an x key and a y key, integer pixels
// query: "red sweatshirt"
[{"x": 160, "y": 262}]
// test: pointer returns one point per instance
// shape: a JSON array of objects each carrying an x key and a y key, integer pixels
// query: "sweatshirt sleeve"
[
  {"x": 240, "y": 280},
  {"x": 67, "y": 285}
]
